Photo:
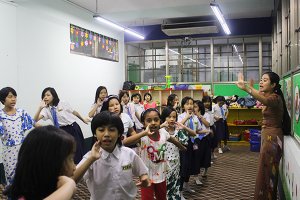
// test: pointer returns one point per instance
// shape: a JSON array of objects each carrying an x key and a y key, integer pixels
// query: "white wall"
[{"x": 41, "y": 56}]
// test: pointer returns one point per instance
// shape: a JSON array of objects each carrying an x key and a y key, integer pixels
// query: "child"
[
  {"x": 14, "y": 122},
  {"x": 101, "y": 93},
  {"x": 190, "y": 164},
  {"x": 177, "y": 130},
  {"x": 209, "y": 117},
  {"x": 148, "y": 103},
  {"x": 204, "y": 147},
  {"x": 220, "y": 116},
  {"x": 173, "y": 101},
  {"x": 128, "y": 107},
  {"x": 109, "y": 167},
  {"x": 45, "y": 162},
  {"x": 138, "y": 109},
  {"x": 153, "y": 147},
  {"x": 62, "y": 116}
]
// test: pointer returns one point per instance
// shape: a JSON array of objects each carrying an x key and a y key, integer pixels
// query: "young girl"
[
  {"x": 204, "y": 147},
  {"x": 190, "y": 164},
  {"x": 138, "y": 109},
  {"x": 148, "y": 103},
  {"x": 179, "y": 131},
  {"x": 14, "y": 122},
  {"x": 209, "y": 117},
  {"x": 109, "y": 167},
  {"x": 45, "y": 162},
  {"x": 220, "y": 116},
  {"x": 62, "y": 116},
  {"x": 101, "y": 93},
  {"x": 173, "y": 101},
  {"x": 128, "y": 107}
]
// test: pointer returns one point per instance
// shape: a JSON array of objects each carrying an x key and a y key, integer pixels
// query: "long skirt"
[
  {"x": 10, "y": 157},
  {"x": 173, "y": 180},
  {"x": 268, "y": 170},
  {"x": 75, "y": 130}
]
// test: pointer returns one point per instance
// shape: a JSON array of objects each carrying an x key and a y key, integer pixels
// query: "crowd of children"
[{"x": 130, "y": 139}]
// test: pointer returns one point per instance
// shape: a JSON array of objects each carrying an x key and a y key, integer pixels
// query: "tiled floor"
[{"x": 232, "y": 176}]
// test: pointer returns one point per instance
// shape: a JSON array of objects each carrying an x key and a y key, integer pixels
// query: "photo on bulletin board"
[
  {"x": 287, "y": 93},
  {"x": 296, "y": 105},
  {"x": 89, "y": 43}
]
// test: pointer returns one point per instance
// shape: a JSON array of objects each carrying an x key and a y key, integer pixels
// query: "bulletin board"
[
  {"x": 230, "y": 89},
  {"x": 296, "y": 105},
  {"x": 89, "y": 43},
  {"x": 287, "y": 92}
]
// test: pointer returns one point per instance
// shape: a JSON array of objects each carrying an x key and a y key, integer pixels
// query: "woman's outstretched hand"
[{"x": 241, "y": 83}]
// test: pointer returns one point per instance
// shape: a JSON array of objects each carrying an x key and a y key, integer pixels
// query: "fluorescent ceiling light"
[
  {"x": 175, "y": 52},
  {"x": 117, "y": 26},
  {"x": 217, "y": 11}
]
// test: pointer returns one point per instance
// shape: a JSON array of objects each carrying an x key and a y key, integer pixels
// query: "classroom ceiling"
[{"x": 149, "y": 12}]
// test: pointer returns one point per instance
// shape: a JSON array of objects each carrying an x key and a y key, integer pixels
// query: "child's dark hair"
[
  {"x": 41, "y": 161},
  {"x": 147, "y": 93},
  {"x": 166, "y": 113},
  {"x": 122, "y": 93},
  {"x": 98, "y": 92},
  {"x": 207, "y": 99},
  {"x": 136, "y": 95},
  {"x": 4, "y": 93},
  {"x": 184, "y": 101},
  {"x": 106, "y": 101},
  {"x": 170, "y": 100},
  {"x": 53, "y": 93},
  {"x": 106, "y": 118},
  {"x": 220, "y": 98},
  {"x": 201, "y": 106},
  {"x": 144, "y": 113}
]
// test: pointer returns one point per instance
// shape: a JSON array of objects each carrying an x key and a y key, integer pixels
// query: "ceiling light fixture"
[{"x": 217, "y": 11}]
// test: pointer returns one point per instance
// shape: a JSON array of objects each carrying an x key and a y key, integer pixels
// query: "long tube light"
[
  {"x": 117, "y": 26},
  {"x": 175, "y": 52},
  {"x": 217, "y": 11}
]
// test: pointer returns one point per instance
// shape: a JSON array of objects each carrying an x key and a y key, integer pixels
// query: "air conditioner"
[{"x": 190, "y": 28}]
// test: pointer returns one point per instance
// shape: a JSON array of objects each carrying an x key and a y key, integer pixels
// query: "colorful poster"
[
  {"x": 287, "y": 93},
  {"x": 296, "y": 105},
  {"x": 88, "y": 43}
]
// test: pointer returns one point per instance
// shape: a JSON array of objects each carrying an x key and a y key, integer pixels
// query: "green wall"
[{"x": 229, "y": 89}]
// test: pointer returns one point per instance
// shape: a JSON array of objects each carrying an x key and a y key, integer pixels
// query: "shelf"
[
  {"x": 244, "y": 108},
  {"x": 244, "y": 125}
]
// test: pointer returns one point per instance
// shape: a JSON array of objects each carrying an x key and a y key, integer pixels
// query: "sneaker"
[
  {"x": 226, "y": 148},
  {"x": 220, "y": 150},
  {"x": 198, "y": 182},
  {"x": 187, "y": 188}
]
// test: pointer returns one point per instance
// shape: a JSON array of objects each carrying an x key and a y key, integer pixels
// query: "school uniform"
[
  {"x": 111, "y": 176},
  {"x": 204, "y": 147},
  {"x": 98, "y": 110},
  {"x": 138, "y": 108},
  {"x": 66, "y": 121},
  {"x": 220, "y": 124},
  {"x": 127, "y": 122},
  {"x": 130, "y": 110}
]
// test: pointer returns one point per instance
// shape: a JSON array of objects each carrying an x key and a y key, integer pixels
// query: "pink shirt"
[{"x": 150, "y": 105}]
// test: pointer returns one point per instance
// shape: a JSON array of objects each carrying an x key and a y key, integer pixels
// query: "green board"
[
  {"x": 230, "y": 89},
  {"x": 287, "y": 92},
  {"x": 296, "y": 105}
]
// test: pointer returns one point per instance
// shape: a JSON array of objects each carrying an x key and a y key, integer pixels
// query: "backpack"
[{"x": 128, "y": 85}]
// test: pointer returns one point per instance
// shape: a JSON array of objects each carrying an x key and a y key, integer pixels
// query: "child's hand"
[
  {"x": 144, "y": 181},
  {"x": 179, "y": 125},
  {"x": 148, "y": 132},
  {"x": 165, "y": 124},
  {"x": 99, "y": 102},
  {"x": 43, "y": 104},
  {"x": 86, "y": 120},
  {"x": 95, "y": 151},
  {"x": 182, "y": 148}
]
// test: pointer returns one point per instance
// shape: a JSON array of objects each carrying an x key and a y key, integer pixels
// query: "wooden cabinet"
[
  {"x": 161, "y": 96},
  {"x": 239, "y": 120}
]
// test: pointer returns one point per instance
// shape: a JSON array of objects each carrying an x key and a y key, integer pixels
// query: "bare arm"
[
  {"x": 189, "y": 131},
  {"x": 37, "y": 117},
  {"x": 79, "y": 117},
  {"x": 177, "y": 143},
  {"x": 66, "y": 188},
  {"x": 95, "y": 107},
  {"x": 136, "y": 137},
  {"x": 187, "y": 116}
]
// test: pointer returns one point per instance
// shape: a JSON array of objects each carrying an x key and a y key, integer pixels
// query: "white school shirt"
[
  {"x": 98, "y": 110},
  {"x": 64, "y": 113},
  {"x": 139, "y": 108},
  {"x": 129, "y": 109},
  {"x": 127, "y": 122},
  {"x": 209, "y": 117},
  {"x": 111, "y": 176},
  {"x": 197, "y": 125},
  {"x": 153, "y": 155},
  {"x": 216, "y": 110}
]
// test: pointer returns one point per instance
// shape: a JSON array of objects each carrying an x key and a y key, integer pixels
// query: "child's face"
[
  {"x": 196, "y": 108},
  {"x": 108, "y": 136},
  {"x": 114, "y": 106},
  {"x": 69, "y": 166},
  {"x": 10, "y": 100},
  {"x": 136, "y": 99},
  {"x": 147, "y": 98},
  {"x": 171, "y": 119},
  {"x": 48, "y": 98},
  {"x": 153, "y": 121},
  {"x": 102, "y": 94},
  {"x": 125, "y": 99},
  {"x": 207, "y": 104},
  {"x": 176, "y": 100},
  {"x": 188, "y": 106}
]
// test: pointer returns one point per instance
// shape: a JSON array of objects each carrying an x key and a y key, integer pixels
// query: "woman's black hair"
[
  {"x": 147, "y": 93},
  {"x": 207, "y": 99},
  {"x": 170, "y": 100},
  {"x": 201, "y": 106},
  {"x": 53, "y": 93},
  {"x": 98, "y": 92},
  {"x": 184, "y": 101},
  {"x": 166, "y": 113},
  {"x": 122, "y": 93},
  {"x": 41, "y": 161},
  {"x": 4, "y": 93},
  {"x": 106, "y": 101},
  {"x": 286, "y": 119},
  {"x": 107, "y": 118},
  {"x": 145, "y": 112},
  {"x": 136, "y": 94}
]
